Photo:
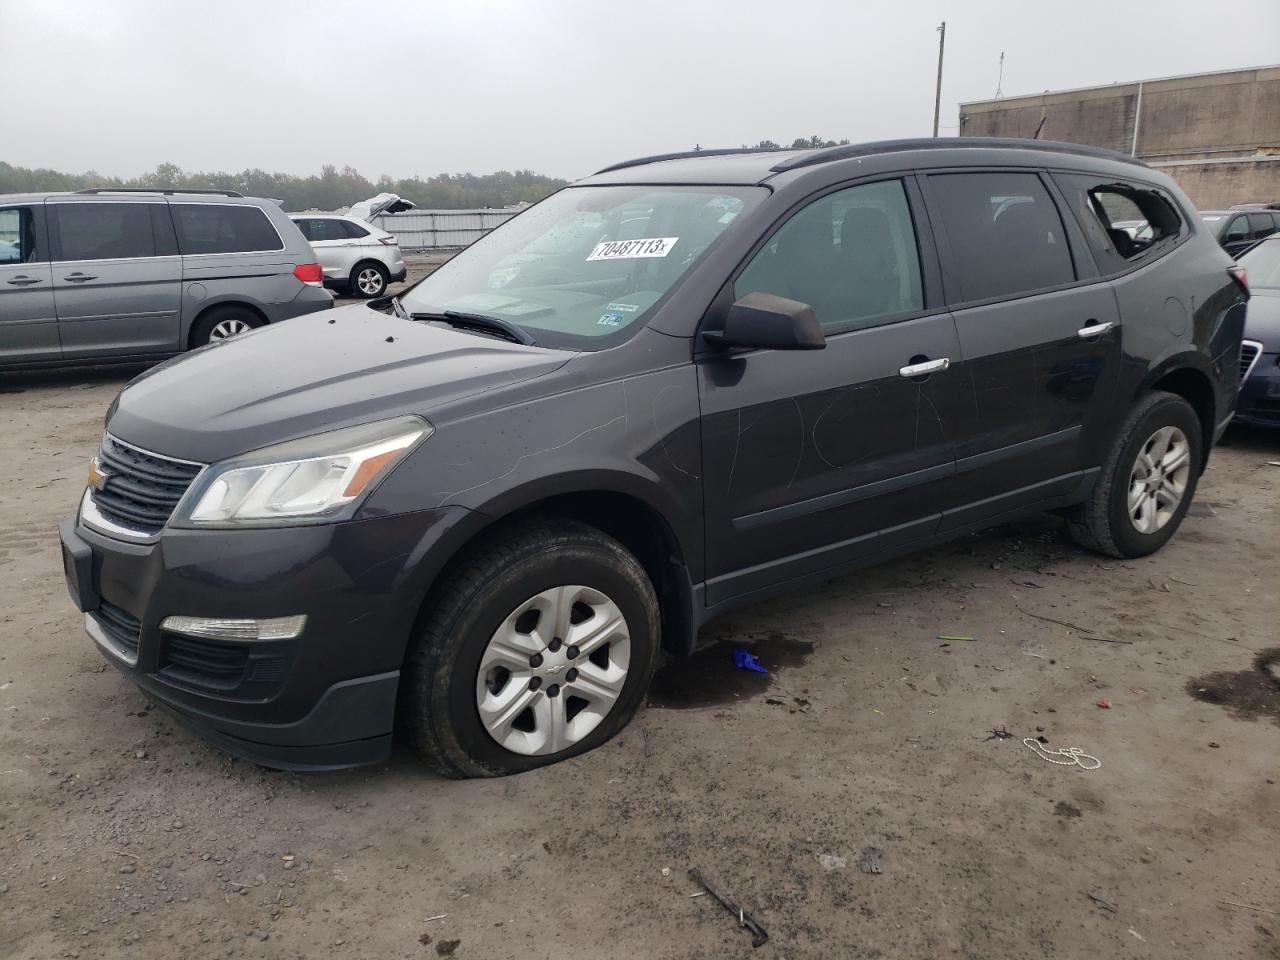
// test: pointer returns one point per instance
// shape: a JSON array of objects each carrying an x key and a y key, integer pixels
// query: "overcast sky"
[{"x": 558, "y": 86}]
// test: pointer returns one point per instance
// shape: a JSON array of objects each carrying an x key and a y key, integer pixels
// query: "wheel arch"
[
  {"x": 222, "y": 305},
  {"x": 1194, "y": 385},
  {"x": 632, "y": 519}
]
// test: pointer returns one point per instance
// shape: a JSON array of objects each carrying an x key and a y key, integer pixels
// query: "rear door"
[
  {"x": 117, "y": 276},
  {"x": 816, "y": 459},
  {"x": 1039, "y": 335},
  {"x": 28, "y": 321}
]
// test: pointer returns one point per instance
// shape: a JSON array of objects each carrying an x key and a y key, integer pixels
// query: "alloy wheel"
[
  {"x": 228, "y": 328},
  {"x": 369, "y": 280},
  {"x": 553, "y": 670},
  {"x": 1158, "y": 480}
]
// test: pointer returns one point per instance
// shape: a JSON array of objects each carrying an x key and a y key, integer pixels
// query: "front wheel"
[
  {"x": 538, "y": 648},
  {"x": 1147, "y": 481}
]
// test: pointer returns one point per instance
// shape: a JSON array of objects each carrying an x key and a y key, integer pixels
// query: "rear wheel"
[
  {"x": 1147, "y": 481},
  {"x": 369, "y": 280},
  {"x": 222, "y": 323},
  {"x": 538, "y": 648}
]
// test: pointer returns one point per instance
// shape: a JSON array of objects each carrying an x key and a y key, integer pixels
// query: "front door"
[
  {"x": 117, "y": 277},
  {"x": 1042, "y": 350},
  {"x": 817, "y": 459},
  {"x": 28, "y": 321}
]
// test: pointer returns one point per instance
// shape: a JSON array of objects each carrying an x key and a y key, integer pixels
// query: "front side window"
[
  {"x": 223, "y": 228},
  {"x": 850, "y": 255},
  {"x": 1261, "y": 225},
  {"x": 1004, "y": 231},
  {"x": 1238, "y": 229},
  {"x": 1121, "y": 221},
  {"x": 17, "y": 235},
  {"x": 583, "y": 268},
  {"x": 103, "y": 231}
]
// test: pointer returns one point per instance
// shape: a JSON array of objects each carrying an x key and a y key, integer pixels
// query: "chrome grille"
[
  {"x": 1250, "y": 351},
  {"x": 141, "y": 488}
]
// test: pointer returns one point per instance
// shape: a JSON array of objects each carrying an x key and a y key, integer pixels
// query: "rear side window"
[
  {"x": 103, "y": 231},
  {"x": 18, "y": 236},
  {"x": 850, "y": 255},
  {"x": 1122, "y": 221},
  {"x": 1005, "y": 235},
  {"x": 1261, "y": 225},
  {"x": 351, "y": 231},
  {"x": 223, "y": 228}
]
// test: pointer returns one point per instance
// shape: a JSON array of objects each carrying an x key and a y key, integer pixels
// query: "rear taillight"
[
  {"x": 310, "y": 274},
  {"x": 389, "y": 241},
  {"x": 1241, "y": 278}
]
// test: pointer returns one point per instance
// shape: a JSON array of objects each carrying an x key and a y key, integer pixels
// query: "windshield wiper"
[{"x": 478, "y": 321}]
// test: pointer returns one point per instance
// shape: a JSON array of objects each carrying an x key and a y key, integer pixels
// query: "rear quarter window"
[
  {"x": 1124, "y": 223},
  {"x": 223, "y": 228}
]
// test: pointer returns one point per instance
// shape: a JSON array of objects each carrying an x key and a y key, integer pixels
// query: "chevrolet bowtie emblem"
[{"x": 97, "y": 476}]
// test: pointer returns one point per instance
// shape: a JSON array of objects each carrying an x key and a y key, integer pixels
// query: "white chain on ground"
[{"x": 1072, "y": 756}]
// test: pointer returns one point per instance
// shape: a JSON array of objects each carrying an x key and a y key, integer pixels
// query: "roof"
[{"x": 739, "y": 167}]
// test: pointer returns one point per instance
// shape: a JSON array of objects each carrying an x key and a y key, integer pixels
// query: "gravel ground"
[{"x": 122, "y": 835}]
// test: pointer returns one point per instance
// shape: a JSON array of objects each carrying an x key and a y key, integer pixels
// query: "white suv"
[{"x": 358, "y": 258}]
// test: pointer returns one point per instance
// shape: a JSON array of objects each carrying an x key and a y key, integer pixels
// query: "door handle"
[
  {"x": 924, "y": 369},
  {"x": 79, "y": 277},
  {"x": 24, "y": 281},
  {"x": 1094, "y": 330}
]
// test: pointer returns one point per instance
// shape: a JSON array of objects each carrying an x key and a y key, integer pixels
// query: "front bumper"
[
  {"x": 1259, "y": 399},
  {"x": 321, "y": 701}
]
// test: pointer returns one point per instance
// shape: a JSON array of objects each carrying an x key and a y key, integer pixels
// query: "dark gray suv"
[
  {"x": 121, "y": 275},
  {"x": 685, "y": 383}
]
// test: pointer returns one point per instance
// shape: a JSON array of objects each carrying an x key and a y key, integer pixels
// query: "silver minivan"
[{"x": 115, "y": 275}]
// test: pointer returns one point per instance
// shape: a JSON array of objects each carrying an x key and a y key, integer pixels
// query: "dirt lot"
[{"x": 121, "y": 835}]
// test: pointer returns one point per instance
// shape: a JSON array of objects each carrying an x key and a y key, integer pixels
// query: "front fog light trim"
[{"x": 226, "y": 628}]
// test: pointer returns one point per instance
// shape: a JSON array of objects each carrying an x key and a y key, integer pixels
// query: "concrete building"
[{"x": 1216, "y": 134}]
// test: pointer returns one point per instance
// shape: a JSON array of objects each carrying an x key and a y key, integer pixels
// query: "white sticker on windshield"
[{"x": 633, "y": 249}]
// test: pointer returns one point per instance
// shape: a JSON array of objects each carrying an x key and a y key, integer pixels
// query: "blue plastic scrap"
[{"x": 747, "y": 661}]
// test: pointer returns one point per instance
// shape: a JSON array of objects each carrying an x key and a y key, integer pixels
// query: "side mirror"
[{"x": 765, "y": 321}]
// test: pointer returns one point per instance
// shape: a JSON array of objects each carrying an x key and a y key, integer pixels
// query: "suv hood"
[
  {"x": 1262, "y": 321},
  {"x": 383, "y": 203},
  {"x": 312, "y": 374}
]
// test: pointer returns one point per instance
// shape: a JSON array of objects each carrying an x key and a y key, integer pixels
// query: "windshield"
[
  {"x": 583, "y": 268},
  {"x": 1262, "y": 264}
]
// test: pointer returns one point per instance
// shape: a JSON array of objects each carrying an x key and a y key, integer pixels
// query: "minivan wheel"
[
  {"x": 222, "y": 323},
  {"x": 1147, "y": 481},
  {"x": 368, "y": 280},
  {"x": 538, "y": 648}
]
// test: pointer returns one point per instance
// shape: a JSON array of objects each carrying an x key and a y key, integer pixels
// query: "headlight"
[{"x": 321, "y": 478}]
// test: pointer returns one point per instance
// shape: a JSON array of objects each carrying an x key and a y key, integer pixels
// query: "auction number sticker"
[{"x": 633, "y": 249}]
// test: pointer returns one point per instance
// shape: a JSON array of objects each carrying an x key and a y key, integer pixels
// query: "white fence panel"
[{"x": 434, "y": 229}]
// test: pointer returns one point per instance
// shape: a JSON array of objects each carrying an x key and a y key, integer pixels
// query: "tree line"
[{"x": 331, "y": 189}]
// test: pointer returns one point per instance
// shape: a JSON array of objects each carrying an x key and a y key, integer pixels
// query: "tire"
[
  {"x": 368, "y": 280},
  {"x": 454, "y": 689},
  {"x": 222, "y": 323},
  {"x": 1104, "y": 522}
]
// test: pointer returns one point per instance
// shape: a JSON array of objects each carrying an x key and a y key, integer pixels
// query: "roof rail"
[
  {"x": 163, "y": 191},
  {"x": 829, "y": 154},
  {"x": 684, "y": 155}
]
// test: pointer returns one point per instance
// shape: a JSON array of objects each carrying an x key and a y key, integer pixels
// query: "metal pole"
[
  {"x": 937, "y": 99},
  {"x": 1137, "y": 112}
]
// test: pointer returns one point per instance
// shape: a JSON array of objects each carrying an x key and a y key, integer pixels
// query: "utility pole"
[
  {"x": 1000, "y": 79},
  {"x": 937, "y": 100}
]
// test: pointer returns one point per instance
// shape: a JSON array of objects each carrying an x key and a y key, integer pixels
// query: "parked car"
[
  {"x": 123, "y": 275},
  {"x": 724, "y": 376},
  {"x": 1260, "y": 353},
  {"x": 358, "y": 258},
  {"x": 1238, "y": 231}
]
